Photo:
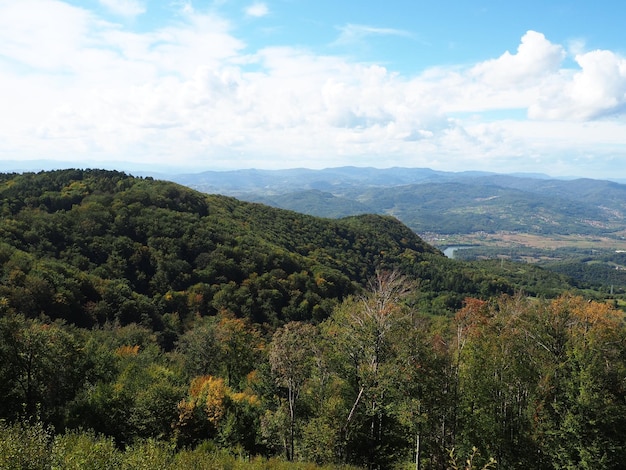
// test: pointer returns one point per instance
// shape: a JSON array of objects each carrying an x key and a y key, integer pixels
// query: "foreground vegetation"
[
  {"x": 144, "y": 325},
  {"x": 32, "y": 446},
  {"x": 531, "y": 384}
]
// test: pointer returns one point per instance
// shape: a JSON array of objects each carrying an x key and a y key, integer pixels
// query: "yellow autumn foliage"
[
  {"x": 212, "y": 396},
  {"x": 244, "y": 397},
  {"x": 127, "y": 351}
]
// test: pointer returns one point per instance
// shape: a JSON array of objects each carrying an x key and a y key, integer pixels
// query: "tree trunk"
[
  {"x": 292, "y": 421},
  {"x": 417, "y": 451}
]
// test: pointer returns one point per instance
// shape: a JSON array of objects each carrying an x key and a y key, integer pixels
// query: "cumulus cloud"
[
  {"x": 536, "y": 57},
  {"x": 597, "y": 90},
  {"x": 193, "y": 93}
]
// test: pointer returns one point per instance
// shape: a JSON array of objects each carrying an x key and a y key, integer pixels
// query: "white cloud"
[
  {"x": 126, "y": 8},
  {"x": 576, "y": 46},
  {"x": 352, "y": 33},
  {"x": 257, "y": 10},
  {"x": 536, "y": 57},
  {"x": 191, "y": 93},
  {"x": 43, "y": 34},
  {"x": 598, "y": 89}
]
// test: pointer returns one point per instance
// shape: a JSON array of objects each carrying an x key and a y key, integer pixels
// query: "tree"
[
  {"x": 496, "y": 381},
  {"x": 579, "y": 406},
  {"x": 212, "y": 410},
  {"x": 200, "y": 349},
  {"x": 41, "y": 367},
  {"x": 292, "y": 356},
  {"x": 240, "y": 348},
  {"x": 421, "y": 398},
  {"x": 363, "y": 331}
]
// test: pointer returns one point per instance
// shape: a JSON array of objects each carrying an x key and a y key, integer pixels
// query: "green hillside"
[
  {"x": 480, "y": 205},
  {"x": 523, "y": 218},
  {"x": 147, "y": 325},
  {"x": 95, "y": 246},
  {"x": 317, "y": 203}
]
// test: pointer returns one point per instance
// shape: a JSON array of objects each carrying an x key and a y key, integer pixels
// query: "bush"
[
  {"x": 24, "y": 446},
  {"x": 78, "y": 450}
]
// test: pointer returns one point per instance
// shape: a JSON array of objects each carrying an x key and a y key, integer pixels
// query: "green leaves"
[
  {"x": 538, "y": 382},
  {"x": 42, "y": 367}
]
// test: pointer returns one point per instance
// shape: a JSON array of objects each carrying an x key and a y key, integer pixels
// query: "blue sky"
[{"x": 535, "y": 86}]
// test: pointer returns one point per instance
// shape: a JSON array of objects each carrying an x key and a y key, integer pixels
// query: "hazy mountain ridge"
[
  {"x": 434, "y": 201},
  {"x": 271, "y": 182}
]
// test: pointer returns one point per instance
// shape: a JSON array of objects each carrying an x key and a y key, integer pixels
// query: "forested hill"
[
  {"x": 223, "y": 328},
  {"x": 100, "y": 246}
]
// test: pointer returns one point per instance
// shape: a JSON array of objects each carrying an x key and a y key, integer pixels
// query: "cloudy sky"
[{"x": 533, "y": 86}]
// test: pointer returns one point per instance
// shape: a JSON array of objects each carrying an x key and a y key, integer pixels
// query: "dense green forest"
[{"x": 146, "y": 325}]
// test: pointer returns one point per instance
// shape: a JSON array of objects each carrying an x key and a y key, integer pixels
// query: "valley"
[{"x": 529, "y": 241}]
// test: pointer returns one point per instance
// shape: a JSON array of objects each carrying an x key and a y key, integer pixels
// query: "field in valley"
[{"x": 527, "y": 240}]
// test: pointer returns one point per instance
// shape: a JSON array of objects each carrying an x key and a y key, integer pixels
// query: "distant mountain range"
[
  {"x": 428, "y": 201},
  {"x": 433, "y": 201},
  {"x": 273, "y": 182}
]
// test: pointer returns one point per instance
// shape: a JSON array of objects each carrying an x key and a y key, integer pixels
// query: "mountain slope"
[{"x": 97, "y": 246}]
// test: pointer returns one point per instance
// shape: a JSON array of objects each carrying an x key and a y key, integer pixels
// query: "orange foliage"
[
  {"x": 209, "y": 392},
  {"x": 473, "y": 314},
  {"x": 244, "y": 397},
  {"x": 593, "y": 321},
  {"x": 127, "y": 351}
]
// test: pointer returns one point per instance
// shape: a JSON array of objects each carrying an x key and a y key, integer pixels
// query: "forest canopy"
[{"x": 139, "y": 317}]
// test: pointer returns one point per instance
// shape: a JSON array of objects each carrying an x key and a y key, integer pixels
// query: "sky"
[{"x": 182, "y": 85}]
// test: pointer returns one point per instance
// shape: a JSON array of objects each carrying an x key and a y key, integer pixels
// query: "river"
[{"x": 449, "y": 252}]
